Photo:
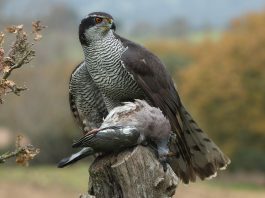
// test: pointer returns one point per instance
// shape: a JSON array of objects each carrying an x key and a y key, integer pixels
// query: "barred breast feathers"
[
  {"x": 86, "y": 101},
  {"x": 103, "y": 60}
]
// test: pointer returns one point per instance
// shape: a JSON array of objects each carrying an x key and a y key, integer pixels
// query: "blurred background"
[{"x": 214, "y": 50}]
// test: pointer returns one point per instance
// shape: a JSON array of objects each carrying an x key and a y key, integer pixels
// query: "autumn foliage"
[
  {"x": 225, "y": 86},
  {"x": 222, "y": 83}
]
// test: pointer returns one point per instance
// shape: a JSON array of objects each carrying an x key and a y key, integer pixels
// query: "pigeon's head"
[{"x": 95, "y": 26}]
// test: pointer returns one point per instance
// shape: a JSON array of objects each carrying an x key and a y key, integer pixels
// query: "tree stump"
[{"x": 133, "y": 173}]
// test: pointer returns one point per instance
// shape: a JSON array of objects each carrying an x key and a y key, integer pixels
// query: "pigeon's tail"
[
  {"x": 75, "y": 157},
  {"x": 206, "y": 157}
]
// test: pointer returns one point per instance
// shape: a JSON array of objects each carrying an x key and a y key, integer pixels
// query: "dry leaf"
[
  {"x": 18, "y": 141},
  {"x": 2, "y": 54},
  {"x": 11, "y": 29},
  {"x": 36, "y": 28},
  {"x": 19, "y": 27},
  {"x": 37, "y": 37},
  {"x": 2, "y": 35},
  {"x": 6, "y": 69},
  {"x": 14, "y": 28},
  {"x": 7, "y": 61},
  {"x": 27, "y": 154}
]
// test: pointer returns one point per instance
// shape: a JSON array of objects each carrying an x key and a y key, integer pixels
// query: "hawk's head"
[{"x": 95, "y": 26}]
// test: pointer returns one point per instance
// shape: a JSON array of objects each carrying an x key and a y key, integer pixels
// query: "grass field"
[{"x": 48, "y": 181}]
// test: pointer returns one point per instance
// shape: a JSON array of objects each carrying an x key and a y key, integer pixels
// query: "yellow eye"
[{"x": 98, "y": 20}]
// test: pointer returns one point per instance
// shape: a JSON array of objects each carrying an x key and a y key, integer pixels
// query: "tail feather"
[
  {"x": 206, "y": 158},
  {"x": 75, "y": 157},
  {"x": 182, "y": 169}
]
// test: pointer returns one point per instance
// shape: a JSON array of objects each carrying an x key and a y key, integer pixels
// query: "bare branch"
[
  {"x": 21, "y": 52},
  {"x": 22, "y": 153},
  {"x": 21, "y": 62}
]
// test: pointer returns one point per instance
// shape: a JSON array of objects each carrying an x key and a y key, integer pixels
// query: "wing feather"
[{"x": 194, "y": 155}]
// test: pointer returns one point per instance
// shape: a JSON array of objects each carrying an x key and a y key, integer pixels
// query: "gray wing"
[
  {"x": 197, "y": 155},
  {"x": 86, "y": 101}
]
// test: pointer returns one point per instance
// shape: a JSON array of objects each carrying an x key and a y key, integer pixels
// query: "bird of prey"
[
  {"x": 116, "y": 70},
  {"x": 125, "y": 126}
]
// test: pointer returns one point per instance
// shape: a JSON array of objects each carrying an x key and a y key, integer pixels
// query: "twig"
[
  {"x": 22, "y": 153},
  {"x": 18, "y": 65},
  {"x": 8, "y": 155},
  {"x": 15, "y": 89}
]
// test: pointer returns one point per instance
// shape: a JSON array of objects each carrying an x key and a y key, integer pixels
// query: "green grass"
[
  {"x": 236, "y": 186},
  {"x": 73, "y": 178}
]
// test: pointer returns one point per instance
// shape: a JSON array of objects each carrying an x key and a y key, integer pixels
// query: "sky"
[{"x": 216, "y": 13}]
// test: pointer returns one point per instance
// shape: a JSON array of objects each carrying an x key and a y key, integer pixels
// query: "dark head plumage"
[
  {"x": 100, "y": 14},
  {"x": 100, "y": 19}
]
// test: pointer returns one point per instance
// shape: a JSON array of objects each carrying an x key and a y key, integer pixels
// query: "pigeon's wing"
[
  {"x": 86, "y": 101},
  {"x": 153, "y": 78}
]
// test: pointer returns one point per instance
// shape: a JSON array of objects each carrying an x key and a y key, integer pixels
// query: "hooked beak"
[
  {"x": 107, "y": 23},
  {"x": 108, "y": 20}
]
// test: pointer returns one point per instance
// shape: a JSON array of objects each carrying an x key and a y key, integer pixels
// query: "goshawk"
[{"x": 117, "y": 70}]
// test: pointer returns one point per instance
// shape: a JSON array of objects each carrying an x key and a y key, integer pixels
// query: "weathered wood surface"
[{"x": 134, "y": 173}]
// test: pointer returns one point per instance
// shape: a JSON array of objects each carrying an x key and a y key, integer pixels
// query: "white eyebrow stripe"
[{"x": 94, "y": 15}]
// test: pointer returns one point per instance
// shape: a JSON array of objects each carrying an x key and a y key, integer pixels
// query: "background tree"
[{"x": 225, "y": 85}]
